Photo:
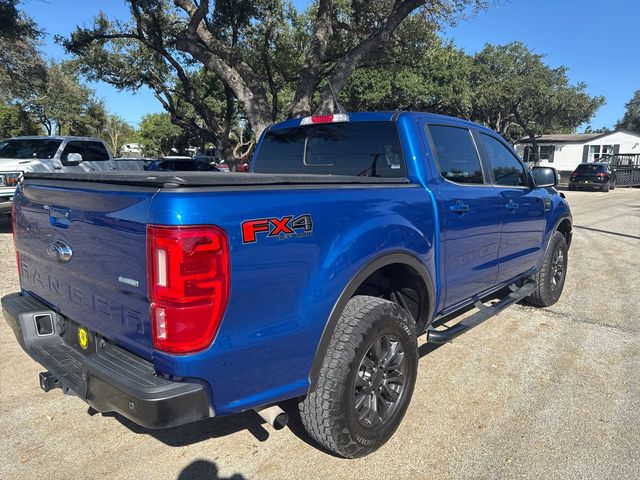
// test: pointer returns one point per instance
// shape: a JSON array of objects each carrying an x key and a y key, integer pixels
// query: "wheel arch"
[{"x": 397, "y": 264}]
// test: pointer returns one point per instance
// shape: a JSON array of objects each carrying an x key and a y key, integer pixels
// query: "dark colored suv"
[{"x": 594, "y": 175}]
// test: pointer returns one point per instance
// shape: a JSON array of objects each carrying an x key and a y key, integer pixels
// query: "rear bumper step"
[
  {"x": 483, "y": 314},
  {"x": 110, "y": 380}
]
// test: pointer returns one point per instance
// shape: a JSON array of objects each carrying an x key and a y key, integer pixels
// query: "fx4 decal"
[{"x": 281, "y": 228}]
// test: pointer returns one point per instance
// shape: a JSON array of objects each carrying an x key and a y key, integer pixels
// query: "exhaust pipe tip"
[{"x": 274, "y": 416}]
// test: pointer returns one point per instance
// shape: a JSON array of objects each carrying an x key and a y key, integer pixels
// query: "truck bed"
[{"x": 210, "y": 179}]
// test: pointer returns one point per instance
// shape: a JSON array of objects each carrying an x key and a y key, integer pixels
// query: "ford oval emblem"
[{"x": 60, "y": 251}]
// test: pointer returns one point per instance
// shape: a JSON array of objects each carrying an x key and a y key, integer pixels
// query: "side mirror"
[
  {"x": 72, "y": 160},
  {"x": 545, "y": 176}
]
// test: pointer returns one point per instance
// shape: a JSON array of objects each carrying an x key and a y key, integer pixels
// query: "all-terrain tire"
[
  {"x": 552, "y": 274},
  {"x": 330, "y": 413}
]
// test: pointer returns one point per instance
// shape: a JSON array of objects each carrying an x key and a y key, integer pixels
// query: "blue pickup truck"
[{"x": 171, "y": 298}]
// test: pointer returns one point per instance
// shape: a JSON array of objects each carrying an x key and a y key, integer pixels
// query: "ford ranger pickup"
[{"x": 170, "y": 298}]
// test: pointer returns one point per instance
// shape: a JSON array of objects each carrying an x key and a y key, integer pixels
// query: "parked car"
[
  {"x": 48, "y": 154},
  {"x": 218, "y": 162},
  {"x": 353, "y": 235},
  {"x": 133, "y": 164},
  {"x": 181, "y": 164},
  {"x": 593, "y": 176}
]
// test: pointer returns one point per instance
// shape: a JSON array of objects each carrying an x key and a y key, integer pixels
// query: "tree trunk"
[
  {"x": 348, "y": 63},
  {"x": 310, "y": 72}
]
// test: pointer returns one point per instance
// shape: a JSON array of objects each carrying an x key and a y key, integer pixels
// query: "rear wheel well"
[{"x": 402, "y": 284}]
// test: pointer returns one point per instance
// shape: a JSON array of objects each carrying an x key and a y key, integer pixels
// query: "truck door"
[
  {"x": 523, "y": 205},
  {"x": 470, "y": 212}
]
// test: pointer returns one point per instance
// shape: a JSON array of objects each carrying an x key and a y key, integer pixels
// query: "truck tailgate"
[{"x": 102, "y": 286}]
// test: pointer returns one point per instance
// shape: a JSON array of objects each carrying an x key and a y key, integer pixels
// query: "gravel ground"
[{"x": 529, "y": 394}]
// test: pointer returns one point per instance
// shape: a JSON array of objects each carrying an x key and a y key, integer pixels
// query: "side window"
[
  {"x": 457, "y": 155},
  {"x": 97, "y": 152},
  {"x": 75, "y": 147},
  {"x": 507, "y": 170}
]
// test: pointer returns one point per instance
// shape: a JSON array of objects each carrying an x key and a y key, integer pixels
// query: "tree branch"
[
  {"x": 311, "y": 69},
  {"x": 347, "y": 64}
]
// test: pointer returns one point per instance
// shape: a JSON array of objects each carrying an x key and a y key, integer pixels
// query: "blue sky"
[{"x": 596, "y": 40}]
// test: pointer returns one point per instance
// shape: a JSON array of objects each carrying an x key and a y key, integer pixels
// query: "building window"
[
  {"x": 545, "y": 153},
  {"x": 598, "y": 151}
]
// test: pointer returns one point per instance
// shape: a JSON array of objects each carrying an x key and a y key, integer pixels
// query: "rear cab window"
[
  {"x": 369, "y": 149},
  {"x": 588, "y": 168},
  {"x": 97, "y": 152}
]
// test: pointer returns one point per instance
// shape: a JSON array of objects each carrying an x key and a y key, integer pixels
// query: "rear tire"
[
  {"x": 366, "y": 379},
  {"x": 552, "y": 274},
  {"x": 605, "y": 188},
  {"x": 572, "y": 187}
]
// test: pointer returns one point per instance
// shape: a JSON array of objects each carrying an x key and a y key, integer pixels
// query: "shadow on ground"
[
  {"x": 203, "y": 430},
  {"x": 5, "y": 224},
  {"x": 205, "y": 470}
]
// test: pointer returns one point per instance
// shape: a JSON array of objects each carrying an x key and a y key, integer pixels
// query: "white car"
[{"x": 48, "y": 154}]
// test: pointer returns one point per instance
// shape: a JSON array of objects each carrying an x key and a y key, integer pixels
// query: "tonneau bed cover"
[{"x": 209, "y": 179}]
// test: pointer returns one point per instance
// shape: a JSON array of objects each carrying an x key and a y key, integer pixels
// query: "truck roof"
[
  {"x": 385, "y": 116},
  {"x": 55, "y": 137}
]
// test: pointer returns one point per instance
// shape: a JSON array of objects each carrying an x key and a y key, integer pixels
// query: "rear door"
[
  {"x": 523, "y": 207},
  {"x": 471, "y": 213},
  {"x": 95, "y": 157}
]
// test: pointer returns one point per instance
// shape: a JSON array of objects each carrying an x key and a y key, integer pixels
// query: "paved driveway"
[{"x": 529, "y": 394}]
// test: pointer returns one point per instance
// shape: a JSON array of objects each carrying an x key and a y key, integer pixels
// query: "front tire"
[
  {"x": 366, "y": 379},
  {"x": 552, "y": 274}
]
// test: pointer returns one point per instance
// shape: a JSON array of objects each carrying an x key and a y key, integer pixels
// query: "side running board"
[{"x": 485, "y": 312}]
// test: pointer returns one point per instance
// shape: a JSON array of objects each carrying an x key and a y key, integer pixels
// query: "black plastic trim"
[
  {"x": 566, "y": 216},
  {"x": 111, "y": 379},
  {"x": 383, "y": 261},
  {"x": 204, "y": 179}
]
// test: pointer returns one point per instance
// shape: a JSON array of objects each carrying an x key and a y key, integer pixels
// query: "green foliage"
[
  {"x": 22, "y": 69},
  {"x": 516, "y": 93},
  {"x": 631, "y": 118},
  {"x": 158, "y": 135},
  {"x": 590, "y": 129},
  {"x": 15, "y": 121},
  {"x": 117, "y": 132},
  {"x": 65, "y": 106}
]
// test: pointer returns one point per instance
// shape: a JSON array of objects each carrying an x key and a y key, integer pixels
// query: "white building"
[{"x": 565, "y": 152}]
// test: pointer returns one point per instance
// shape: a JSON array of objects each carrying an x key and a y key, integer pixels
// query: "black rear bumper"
[{"x": 111, "y": 379}]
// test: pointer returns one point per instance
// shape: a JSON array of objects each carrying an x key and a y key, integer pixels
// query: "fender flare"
[
  {"x": 355, "y": 282},
  {"x": 562, "y": 218}
]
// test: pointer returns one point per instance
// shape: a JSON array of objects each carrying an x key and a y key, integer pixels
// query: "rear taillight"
[
  {"x": 188, "y": 275},
  {"x": 13, "y": 229},
  {"x": 600, "y": 174}
]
